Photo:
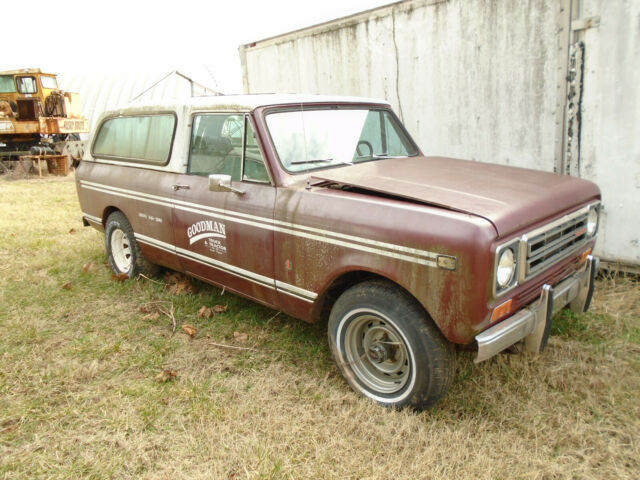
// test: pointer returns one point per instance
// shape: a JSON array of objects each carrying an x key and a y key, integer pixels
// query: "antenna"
[
  {"x": 145, "y": 91},
  {"x": 304, "y": 132},
  {"x": 215, "y": 82}
]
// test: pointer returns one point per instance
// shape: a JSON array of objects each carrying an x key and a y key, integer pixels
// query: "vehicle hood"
[{"x": 511, "y": 198}]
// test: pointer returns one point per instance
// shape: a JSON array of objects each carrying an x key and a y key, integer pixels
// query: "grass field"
[{"x": 83, "y": 393}]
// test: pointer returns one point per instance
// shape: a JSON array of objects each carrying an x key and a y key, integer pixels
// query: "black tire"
[
  {"x": 387, "y": 347},
  {"x": 123, "y": 251}
]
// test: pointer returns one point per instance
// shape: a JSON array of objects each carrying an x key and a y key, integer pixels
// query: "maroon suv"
[{"x": 324, "y": 208}]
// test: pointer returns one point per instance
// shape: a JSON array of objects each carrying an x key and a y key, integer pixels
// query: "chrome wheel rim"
[
  {"x": 121, "y": 251},
  {"x": 376, "y": 353}
]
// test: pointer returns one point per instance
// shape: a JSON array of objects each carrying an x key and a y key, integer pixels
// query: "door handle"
[{"x": 177, "y": 187}]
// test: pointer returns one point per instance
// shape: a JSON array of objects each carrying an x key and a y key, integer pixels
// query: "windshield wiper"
[
  {"x": 320, "y": 160},
  {"x": 375, "y": 155},
  {"x": 317, "y": 160}
]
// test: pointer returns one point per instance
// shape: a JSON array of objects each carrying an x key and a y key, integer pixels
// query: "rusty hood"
[{"x": 510, "y": 198}]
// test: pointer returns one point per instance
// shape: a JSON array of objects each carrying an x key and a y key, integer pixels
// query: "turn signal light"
[
  {"x": 501, "y": 311},
  {"x": 583, "y": 257}
]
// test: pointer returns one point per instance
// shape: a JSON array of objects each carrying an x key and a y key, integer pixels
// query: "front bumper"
[{"x": 533, "y": 322}]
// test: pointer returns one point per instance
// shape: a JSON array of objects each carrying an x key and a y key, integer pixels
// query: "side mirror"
[{"x": 222, "y": 183}]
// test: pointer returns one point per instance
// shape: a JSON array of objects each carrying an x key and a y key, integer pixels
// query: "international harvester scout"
[{"x": 324, "y": 208}]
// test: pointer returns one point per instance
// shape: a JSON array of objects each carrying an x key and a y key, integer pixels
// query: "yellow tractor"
[{"x": 37, "y": 118}]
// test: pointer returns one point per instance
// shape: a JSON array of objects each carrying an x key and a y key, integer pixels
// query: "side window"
[
  {"x": 370, "y": 135},
  {"x": 382, "y": 133},
  {"x": 7, "y": 84},
  {"x": 48, "y": 82},
  {"x": 27, "y": 85},
  {"x": 395, "y": 139},
  {"x": 255, "y": 169},
  {"x": 145, "y": 139},
  {"x": 216, "y": 145}
]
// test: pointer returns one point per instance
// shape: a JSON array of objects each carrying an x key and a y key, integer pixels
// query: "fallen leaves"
[
  {"x": 189, "y": 330},
  {"x": 178, "y": 284},
  {"x": 166, "y": 375},
  {"x": 220, "y": 308},
  {"x": 9, "y": 425},
  {"x": 146, "y": 308},
  {"x": 89, "y": 267},
  {"x": 181, "y": 288},
  {"x": 120, "y": 277},
  {"x": 205, "y": 312},
  {"x": 151, "y": 316},
  {"x": 208, "y": 312},
  {"x": 240, "y": 337},
  {"x": 152, "y": 311},
  {"x": 67, "y": 285},
  {"x": 72, "y": 231}
]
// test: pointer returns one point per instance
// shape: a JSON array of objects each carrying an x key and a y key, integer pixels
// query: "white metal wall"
[
  {"x": 454, "y": 70},
  {"x": 484, "y": 80},
  {"x": 610, "y": 140}
]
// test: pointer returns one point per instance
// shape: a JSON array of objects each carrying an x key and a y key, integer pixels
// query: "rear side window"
[{"x": 145, "y": 139}]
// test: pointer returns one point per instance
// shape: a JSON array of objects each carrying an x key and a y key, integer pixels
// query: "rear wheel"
[
  {"x": 387, "y": 347},
  {"x": 123, "y": 252}
]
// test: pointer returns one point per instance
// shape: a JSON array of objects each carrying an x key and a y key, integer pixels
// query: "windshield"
[
  {"x": 320, "y": 138},
  {"x": 7, "y": 85}
]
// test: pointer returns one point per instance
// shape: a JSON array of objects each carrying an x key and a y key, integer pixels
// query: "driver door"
[{"x": 226, "y": 237}]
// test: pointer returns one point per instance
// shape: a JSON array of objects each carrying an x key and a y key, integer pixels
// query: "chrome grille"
[{"x": 556, "y": 241}]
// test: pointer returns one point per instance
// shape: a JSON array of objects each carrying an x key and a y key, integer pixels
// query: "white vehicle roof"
[{"x": 240, "y": 103}]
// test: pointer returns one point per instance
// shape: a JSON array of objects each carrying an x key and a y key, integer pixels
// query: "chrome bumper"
[{"x": 533, "y": 322}]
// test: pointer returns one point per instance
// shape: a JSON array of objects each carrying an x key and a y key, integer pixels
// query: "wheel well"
[
  {"x": 108, "y": 211},
  {"x": 341, "y": 284}
]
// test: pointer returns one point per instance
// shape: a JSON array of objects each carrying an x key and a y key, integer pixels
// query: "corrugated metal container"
[{"x": 487, "y": 80}]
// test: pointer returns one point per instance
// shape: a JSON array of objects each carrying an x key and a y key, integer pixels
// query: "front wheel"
[
  {"x": 387, "y": 347},
  {"x": 123, "y": 252}
]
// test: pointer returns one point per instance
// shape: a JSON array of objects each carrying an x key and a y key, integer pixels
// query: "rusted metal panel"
[
  {"x": 573, "y": 121},
  {"x": 48, "y": 126},
  {"x": 60, "y": 125},
  {"x": 585, "y": 23},
  {"x": 244, "y": 245},
  {"x": 153, "y": 219},
  {"x": 494, "y": 192},
  {"x": 26, "y": 127}
]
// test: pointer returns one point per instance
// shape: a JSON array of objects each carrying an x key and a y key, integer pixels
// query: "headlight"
[
  {"x": 506, "y": 268},
  {"x": 592, "y": 221}
]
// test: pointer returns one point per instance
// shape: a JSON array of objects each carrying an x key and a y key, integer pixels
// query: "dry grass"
[{"x": 79, "y": 399}]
